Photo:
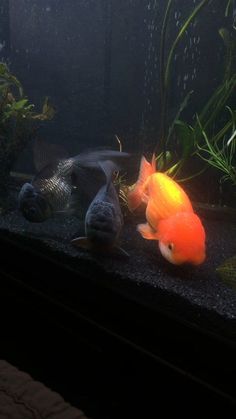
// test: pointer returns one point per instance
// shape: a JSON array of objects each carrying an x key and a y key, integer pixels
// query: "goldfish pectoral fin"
[
  {"x": 82, "y": 242},
  {"x": 147, "y": 231}
]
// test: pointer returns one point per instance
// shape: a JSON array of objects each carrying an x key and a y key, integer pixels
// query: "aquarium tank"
[{"x": 118, "y": 159}]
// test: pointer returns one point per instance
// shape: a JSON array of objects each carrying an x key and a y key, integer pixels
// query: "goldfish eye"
[{"x": 170, "y": 246}]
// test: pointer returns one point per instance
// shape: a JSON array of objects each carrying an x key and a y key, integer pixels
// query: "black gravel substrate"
[
  {"x": 185, "y": 298},
  {"x": 145, "y": 268}
]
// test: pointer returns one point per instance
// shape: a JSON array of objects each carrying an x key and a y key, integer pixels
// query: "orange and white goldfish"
[{"x": 170, "y": 216}]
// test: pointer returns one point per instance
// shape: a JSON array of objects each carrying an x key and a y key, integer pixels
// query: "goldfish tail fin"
[
  {"x": 137, "y": 196},
  {"x": 154, "y": 168},
  {"x": 134, "y": 198},
  {"x": 147, "y": 231}
]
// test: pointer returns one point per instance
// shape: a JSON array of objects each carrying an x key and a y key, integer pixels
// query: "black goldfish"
[
  {"x": 54, "y": 188},
  {"x": 104, "y": 219}
]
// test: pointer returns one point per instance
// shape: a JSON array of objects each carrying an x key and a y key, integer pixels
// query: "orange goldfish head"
[{"x": 182, "y": 238}]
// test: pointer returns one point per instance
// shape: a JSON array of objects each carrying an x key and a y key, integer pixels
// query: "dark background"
[{"x": 98, "y": 61}]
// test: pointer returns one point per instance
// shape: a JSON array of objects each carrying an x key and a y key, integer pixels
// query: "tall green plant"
[
  {"x": 207, "y": 122},
  {"x": 180, "y": 35},
  {"x": 230, "y": 5},
  {"x": 165, "y": 65},
  {"x": 219, "y": 151}
]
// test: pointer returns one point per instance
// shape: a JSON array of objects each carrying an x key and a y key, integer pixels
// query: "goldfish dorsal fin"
[
  {"x": 146, "y": 170},
  {"x": 147, "y": 231},
  {"x": 154, "y": 163}
]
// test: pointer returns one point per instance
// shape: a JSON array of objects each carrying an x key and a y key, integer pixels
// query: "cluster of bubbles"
[
  {"x": 188, "y": 55},
  {"x": 151, "y": 63},
  {"x": 186, "y": 58}
]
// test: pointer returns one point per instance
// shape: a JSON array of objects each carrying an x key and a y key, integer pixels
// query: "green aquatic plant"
[
  {"x": 205, "y": 124},
  {"x": 230, "y": 5},
  {"x": 206, "y": 131},
  {"x": 227, "y": 271},
  {"x": 189, "y": 136},
  {"x": 165, "y": 67},
  {"x": 220, "y": 152},
  {"x": 18, "y": 122}
]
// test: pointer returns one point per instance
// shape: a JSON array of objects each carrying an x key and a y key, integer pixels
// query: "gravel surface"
[{"x": 200, "y": 286}]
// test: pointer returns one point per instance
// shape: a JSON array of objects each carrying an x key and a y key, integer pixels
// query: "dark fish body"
[
  {"x": 53, "y": 189},
  {"x": 55, "y": 183},
  {"x": 104, "y": 219},
  {"x": 49, "y": 192}
]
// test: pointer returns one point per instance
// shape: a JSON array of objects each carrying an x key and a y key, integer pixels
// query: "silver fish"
[
  {"x": 54, "y": 188},
  {"x": 104, "y": 219}
]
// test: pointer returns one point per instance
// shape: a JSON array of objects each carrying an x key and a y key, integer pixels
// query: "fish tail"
[
  {"x": 153, "y": 163},
  {"x": 90, "y": 159},
  {"x": 136, "y": 196},
  {"x": 108, "y": 167},
  {"x": 45, "y": 153}
]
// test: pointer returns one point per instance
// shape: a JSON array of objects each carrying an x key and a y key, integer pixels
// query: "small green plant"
[
  {"x": 211, "y": 125},
  {"x": 227, "y": 271},
  {"x": 220, "y": 152},
  {"x": 18, "y": 122},
  {"x": 189, "y": 137}
]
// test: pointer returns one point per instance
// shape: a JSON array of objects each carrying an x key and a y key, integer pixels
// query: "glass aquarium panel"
[{"x": 117, "y": 145}]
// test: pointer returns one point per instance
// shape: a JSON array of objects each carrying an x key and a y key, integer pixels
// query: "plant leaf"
[
  {"x": 185, "y": 133},
  {"x": 227, "y": 271},
  {"x": 20, "y": 104},
  {"x": 47, "y": 113}
]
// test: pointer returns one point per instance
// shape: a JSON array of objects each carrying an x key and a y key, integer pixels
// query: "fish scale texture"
[{"x": 21, "y": 397}]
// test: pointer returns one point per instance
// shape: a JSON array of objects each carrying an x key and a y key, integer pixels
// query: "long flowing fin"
[
  {"x": 45, "y": 153},
  {"x": 90, "y": 159},
  {"x": 88, "y": 173},
  {"x": 154, "y": 163},
  {"x": 109, "y": 167}
]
